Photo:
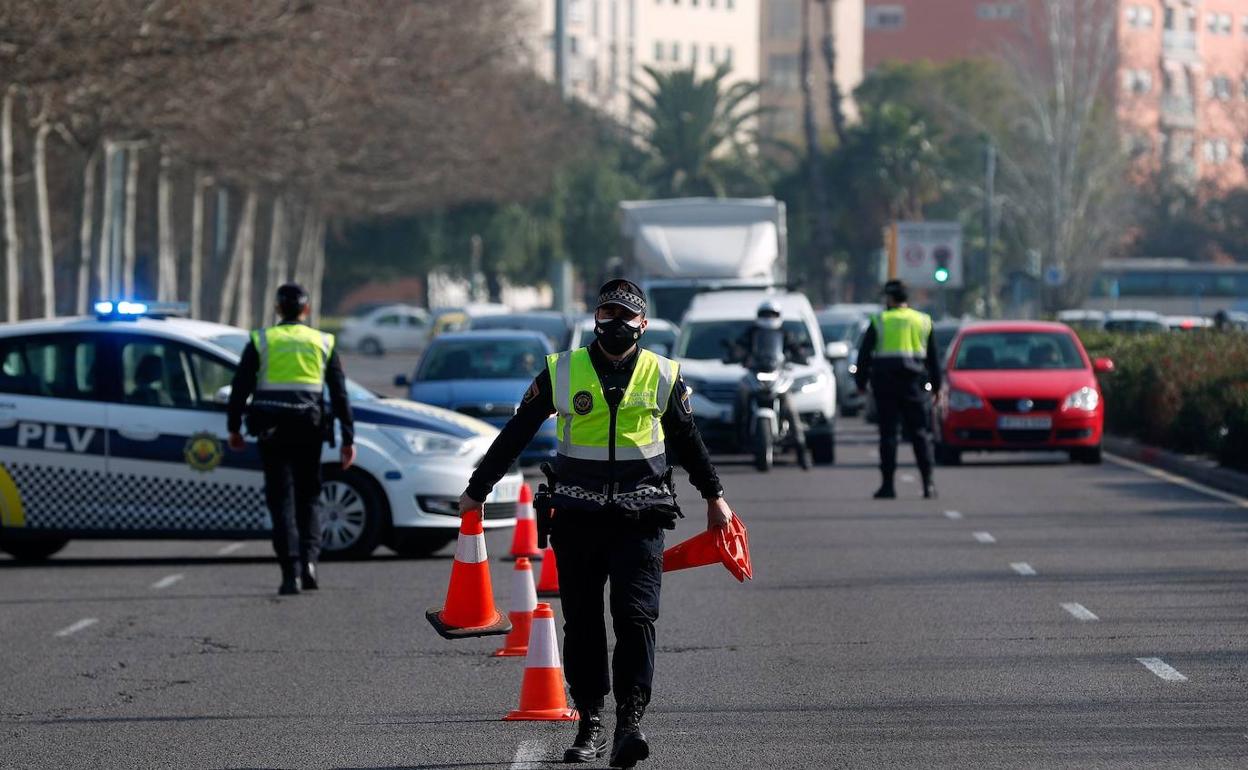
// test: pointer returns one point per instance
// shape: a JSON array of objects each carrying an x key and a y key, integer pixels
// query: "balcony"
[
  {"x": 1178, "y": 111},
  {"x": 1180, "y": 45}
]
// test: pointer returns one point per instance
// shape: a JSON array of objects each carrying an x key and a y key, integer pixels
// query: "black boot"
[
  {"x": 929, "y": 489},
  {"x": 629, "y": 746},
  {"x": 290, "y": 581},
  {"x": 886, "y": 490},
  {"x": 591, "y": 737},
  {"x": 308, "y": 578}
]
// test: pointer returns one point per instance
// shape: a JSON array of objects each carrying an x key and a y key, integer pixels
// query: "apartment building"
[
  {"x": 1182, "y": 89},
  {"x": 782, "y": 30},
  {"x": 609, "y": 42}
]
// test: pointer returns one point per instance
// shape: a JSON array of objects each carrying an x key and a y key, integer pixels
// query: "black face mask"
[{"x": 616, "y": 336}]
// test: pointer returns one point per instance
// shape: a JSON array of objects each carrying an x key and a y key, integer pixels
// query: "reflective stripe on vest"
[
  {"x": 292, "y": 357},
  {"x": 584, "y": 419},
  {"x": 902, "y": 333}
]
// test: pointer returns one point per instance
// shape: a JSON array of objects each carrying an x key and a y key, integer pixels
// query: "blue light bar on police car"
[{"x": 125, "y": 308}]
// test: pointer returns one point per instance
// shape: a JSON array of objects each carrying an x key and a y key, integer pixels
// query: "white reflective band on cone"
[
  {"x": 525, "y": 511},
  {"x": 470, "y": 549},
  {"x": 523, "y": 593},
  {"x": 543, "y": 652}
]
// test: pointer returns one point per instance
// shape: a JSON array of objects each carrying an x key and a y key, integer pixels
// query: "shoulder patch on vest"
[
  {"x": 583, "y": 402},
  {"x": 531, "y": 393},
  {"x": 685, "y": 403}
]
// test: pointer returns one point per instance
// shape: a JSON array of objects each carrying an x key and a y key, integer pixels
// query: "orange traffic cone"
[
  {"x": 523, "y": 602},
  {"x": 542, "y": 696},
  {"x": 524, "y": 539},
  {"x": 469, "y": 609},
  {"x": 548, "y": 583},
  {"x": 729, "y": 546}
]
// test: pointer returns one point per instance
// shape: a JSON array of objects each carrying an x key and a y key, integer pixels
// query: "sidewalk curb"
[{"x": 1195, "y": 468}]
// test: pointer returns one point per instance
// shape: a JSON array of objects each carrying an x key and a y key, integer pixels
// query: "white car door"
[
  {"x": 170, "y": 468},
  {"x": 53, "y": 433},
  {"x": 387, "y": 328}
]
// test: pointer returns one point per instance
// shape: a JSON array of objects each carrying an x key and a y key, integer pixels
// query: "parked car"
[
  {"x": 1188, "y": 323},
  {"x": 712, "y": 324},
  {"x": 386, "y": 329},
  {"x": 843, "y": 327},
  {"x": 484, "y": 374},
  {"x": 1016, "y": 385},
  {"x": 1135, "y": 322},
  {"x": 1083, "y": 320},
  {"x": 117, "y": 430},
  {"x": 555, "y": 325},
  {"x": 660, "y": 336}
]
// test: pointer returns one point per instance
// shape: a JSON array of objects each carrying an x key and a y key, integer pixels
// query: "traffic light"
[{"x": 941, "y": 255}]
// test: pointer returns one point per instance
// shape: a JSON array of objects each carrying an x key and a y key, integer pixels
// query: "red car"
[{"x": 1020, "y": 385}]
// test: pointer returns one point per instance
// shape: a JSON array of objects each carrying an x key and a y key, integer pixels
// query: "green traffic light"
[{"x": 941, "y": 275}]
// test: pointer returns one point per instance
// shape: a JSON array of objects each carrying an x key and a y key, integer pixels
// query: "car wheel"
[
  {"x": 947, "y": 455},
  {"x": 1086, "y": 455},
  {"x": 25, "y": 547},
  {"x": 371, "y": 346},
  {"x": 420, "y": 543},
  {"x": 353, "y": 514},
  {"x": 823, "y": 446}
]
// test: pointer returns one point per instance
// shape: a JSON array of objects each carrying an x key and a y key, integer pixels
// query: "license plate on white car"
[
  {"x": 1039, "y": 422},
  {"x": 504, "y": 493}
]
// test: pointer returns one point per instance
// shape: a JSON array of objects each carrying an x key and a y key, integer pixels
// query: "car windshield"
[
  {"x": 554, "y": 327},
  {"x": 483, "y": 359},
  {"x": 839, "y": 331},
  {"x": 235, "y": 343},
  {"x": 712, "y": 339},
  {"x": 1018, "y": 350},
  {"x": 1135, "y": 325}
]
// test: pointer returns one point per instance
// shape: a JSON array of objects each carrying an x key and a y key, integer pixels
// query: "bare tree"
[
  {"x": 86, "y": 228},
  {"x": 836, "y": 107},
  {"x": 816, "y": 178},
  {"x": 12, "y": 246}
]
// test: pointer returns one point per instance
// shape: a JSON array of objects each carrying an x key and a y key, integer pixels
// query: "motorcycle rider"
[{"x": 767, "y": 321}]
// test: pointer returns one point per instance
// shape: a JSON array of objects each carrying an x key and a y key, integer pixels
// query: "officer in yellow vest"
[
  {"x": 619, "y": 407},
  {"x": 898, "y": 357},
  {"x": 286, "y": 369}
]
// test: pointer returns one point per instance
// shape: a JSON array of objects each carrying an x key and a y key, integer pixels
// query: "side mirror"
[
  {"x": 402, "y": 381},
  {"x": 1103, "y": 365},
  {"x": 223, "y": 394},
  {"x": 835, "y": 351}
]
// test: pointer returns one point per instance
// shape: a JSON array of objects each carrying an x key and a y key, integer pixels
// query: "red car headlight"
[{"x": 1085, "y": 400}]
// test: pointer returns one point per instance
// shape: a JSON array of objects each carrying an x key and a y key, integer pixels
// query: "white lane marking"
[
  {"x": 1162, "y": 669},
  {"x": 1195, "y": 486},
  {"x": 1079, "y": 611},
  {"x": 167, "y": 581},
  {"x": 983, "y": 537},
  {"x": 229, "y": 549},
  {"x": 955, "y": 515},
  {"x": 908, "y": 478},
  {"x": 77, "y": 626},
  {"x": 528, "y": 756},
  {"x": 1023, "y": 568}
]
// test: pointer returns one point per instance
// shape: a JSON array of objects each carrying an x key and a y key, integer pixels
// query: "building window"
[
  {"x": 658, "y": 51},
  {"x": 1226, "y": 25},
  {"x": 693, "y": 54},
  {"x": 1137, "y": 81},
  {"x": 998, "y": 11},
  {"x": 1168, "y": 23},
  {"x": 782, "y": 72},
  {"x": 1219, "y": 88},
  {"x": 886, "y": 16},
  {"x": 728, "y": 55},
  {"x": 676, "y": 52},
  {"x": 1216, "y": 151},
  {"x": 1140, "y": 16},
  {"x": 574, "y": 45},
  {"x": 784, "y": 18},
  {"x": 710, "y": 54},
  {"x": 729, "y": 4},
  {"x": 1146, "y": 17}
]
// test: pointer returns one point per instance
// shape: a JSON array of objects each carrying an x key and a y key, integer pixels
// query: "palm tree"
[{"x": 701, "y": 138}]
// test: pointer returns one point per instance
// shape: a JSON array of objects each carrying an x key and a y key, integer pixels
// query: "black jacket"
[
  {"x": 244, "y": 385},
  {"x": 539, "y": 404}
]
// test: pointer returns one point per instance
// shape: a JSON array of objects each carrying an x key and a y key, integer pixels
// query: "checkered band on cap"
[{"x": 632, "y": 301}]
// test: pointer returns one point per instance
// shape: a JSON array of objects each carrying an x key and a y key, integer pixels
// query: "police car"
[{"x": 113, "y": 426}]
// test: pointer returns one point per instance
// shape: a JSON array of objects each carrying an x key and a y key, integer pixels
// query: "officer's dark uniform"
[
  {"x": 610, "y": 513},
  {"x": 290, "y": 421},
  {"x": 898, "y": 357}
]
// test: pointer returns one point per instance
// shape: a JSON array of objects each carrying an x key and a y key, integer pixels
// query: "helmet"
[{"x": 769, "y": 315}]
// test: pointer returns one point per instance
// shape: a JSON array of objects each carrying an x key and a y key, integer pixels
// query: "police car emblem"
[
  {"x": 203, "y": 451},
  {"x": 583, "y": 402}
]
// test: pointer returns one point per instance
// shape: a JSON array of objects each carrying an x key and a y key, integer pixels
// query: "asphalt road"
[{"x": 1001, "y": 626}]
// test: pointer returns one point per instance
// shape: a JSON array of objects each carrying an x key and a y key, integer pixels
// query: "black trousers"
[
  {"x": 630, "y": 556},
  {"x": 292, "y": 484},
  {"x": 909, "y": 406}
]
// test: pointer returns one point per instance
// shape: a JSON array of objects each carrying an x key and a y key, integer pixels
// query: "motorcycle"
[{"x": 766, "y": 418}]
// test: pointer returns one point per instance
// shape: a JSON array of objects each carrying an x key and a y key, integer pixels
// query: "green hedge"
[{"x": 1187, "y": 392}]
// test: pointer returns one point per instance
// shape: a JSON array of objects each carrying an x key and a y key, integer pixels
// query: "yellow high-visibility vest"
[
  {"x": 292, "y": 357},
  {"x": 902, "y": 333}
]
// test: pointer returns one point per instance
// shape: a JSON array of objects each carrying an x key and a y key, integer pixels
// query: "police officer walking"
[
  {"x": 898, "y": 357},
  {"x": 287, "y": 367},
  {"x": 618, "y": 407}
]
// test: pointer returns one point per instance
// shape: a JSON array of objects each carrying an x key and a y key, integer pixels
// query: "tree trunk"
[
  {"x": 195, "y": 289},
  {"x": 86, "y": 228},
  {"x": 129, "y": 251},
  {"x": 307, "y": 240},
  {"x": 229, "y": 287},
  {"x": 12, "y": 246},
  {"x": 245, "y": 254},
  {"x": 166, "y": 244},
  {"x": 318, "y": 267},
  {"x": 835, "y": 99},
  {"x": 815, "y": 179},
  {"x": 47, "y": 277},
  {"x": 278, "y": 263},
  {"x": 104, "y": 269}
]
